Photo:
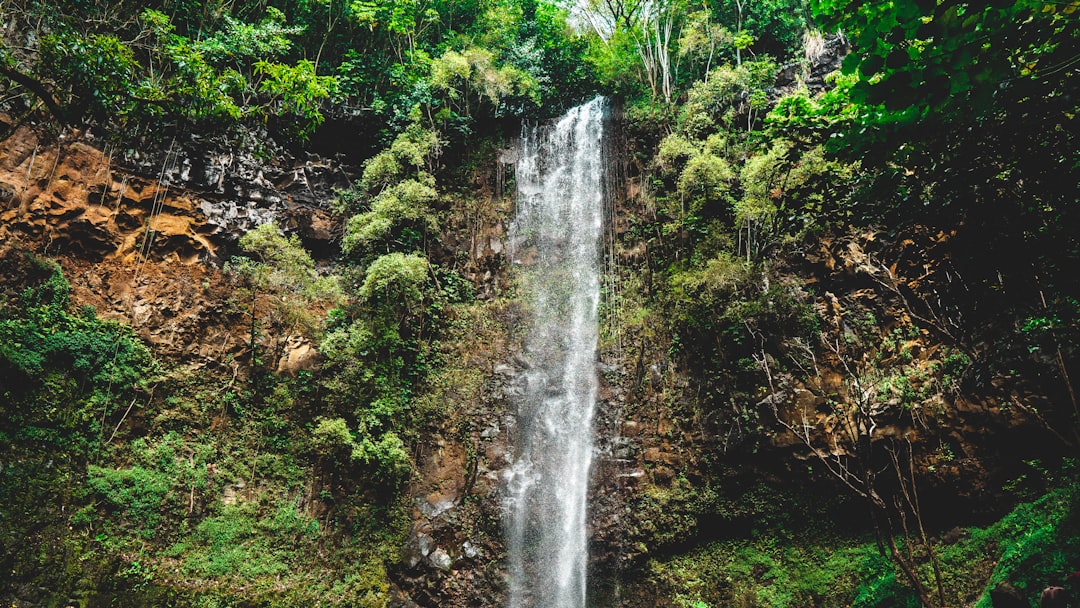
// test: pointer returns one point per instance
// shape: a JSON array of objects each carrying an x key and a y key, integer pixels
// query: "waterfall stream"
[{"x": 556, "y": 239}]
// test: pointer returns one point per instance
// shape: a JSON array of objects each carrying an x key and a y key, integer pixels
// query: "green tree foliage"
[
  {"x": 961, "y": 112},
  {"x": 704, "y": 182},
  {"x": 385, "y": 454},
  {"x": 279, "y": 267},
  {"x": 215, "y": 72},
  {"x": 472, "y": 74},
  {"x": 289, "y": 62},
  {"x": 67, "y": 381},
  {"x": 378, "y": 344},
  {"x": 787, "y": 190},
  {"x": 97, "y": 71},
  {"x": 811, "y": 120},
  {"x": 615, "y": 60},
  {"x": 915, "y": 57},
  {"x": 454, "y": 62},
  {"x": 375, "y": 358},
  {"x": 296, "y": 91},
  {"x": 955, "y": 64},
  {"x": 404, "y": 20},
  {"x": 394, "y": 282},
  {"x": 701, "y": 41},
  {"x": 379, "y": 350},
  {"x": 399, "y": 217},
  {"x": 395, "y": 200},
  {"x": 698, "y": 165},
  {"x": 412, "y": 154},
  {"x": 728, "y": 92},
  {"x": 662, "y": 49},
  {"x": 281, "y": 264},
  {"x": 552, "y": 53},
  {"x": 768, "y": 27}
]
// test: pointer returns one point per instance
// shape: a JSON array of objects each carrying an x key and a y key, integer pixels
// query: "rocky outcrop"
[
  {"x": 68, "y": 197},
  {"x": 824, "y": 55},
  {"x": 184, "y": 203},
  {"x": 142, "y": 233},
  {"x": 454, "y": 555},
  {"x": 245, "y": 179}
]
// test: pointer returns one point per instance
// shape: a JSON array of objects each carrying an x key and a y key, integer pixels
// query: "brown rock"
[{"x": 300, "y": 355}]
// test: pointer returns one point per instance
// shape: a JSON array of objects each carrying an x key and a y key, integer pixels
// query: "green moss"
[{"x": 1035, "y": 545}]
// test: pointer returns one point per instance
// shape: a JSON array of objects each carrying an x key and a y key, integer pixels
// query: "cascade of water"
[{"x": 556, "y": 240}]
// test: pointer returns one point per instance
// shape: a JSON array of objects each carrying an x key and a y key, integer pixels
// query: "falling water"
[{"x": 556, "y": 240}]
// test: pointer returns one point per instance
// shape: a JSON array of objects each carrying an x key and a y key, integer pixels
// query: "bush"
[
  {"x": 70, "y": 367},
  {"x": 400, "y": 215},
  {"x": 137, "y": 493}
]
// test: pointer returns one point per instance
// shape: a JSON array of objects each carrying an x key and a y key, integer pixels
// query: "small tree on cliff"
[
  {"x": 850, "y": 441},
  {"x": 860, "y": 432},
  {"x": 280, "y": 285}
]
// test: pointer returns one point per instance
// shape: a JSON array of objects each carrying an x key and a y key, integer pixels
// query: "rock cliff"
[{"x": 142, "y": 236}]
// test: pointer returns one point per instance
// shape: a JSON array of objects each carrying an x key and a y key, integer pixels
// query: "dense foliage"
[{"x": 936, "y": 168}]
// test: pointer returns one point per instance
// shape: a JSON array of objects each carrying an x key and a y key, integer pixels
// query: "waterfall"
[{"x": 555, "y": 238}]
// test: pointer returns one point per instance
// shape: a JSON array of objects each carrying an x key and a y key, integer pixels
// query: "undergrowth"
[{"x": 1035, "y": 545}]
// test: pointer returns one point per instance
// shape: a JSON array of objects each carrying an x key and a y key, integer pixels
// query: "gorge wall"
[{"x": 679, "y": 462}]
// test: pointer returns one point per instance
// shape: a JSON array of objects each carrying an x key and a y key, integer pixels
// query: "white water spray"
[{"x": 556, "y": 239}]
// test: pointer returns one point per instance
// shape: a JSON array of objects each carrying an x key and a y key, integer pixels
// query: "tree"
[
  {"x": 133, "y": 68},
  {"x": 764, "y": 27},
  {"x": 859, "y": 433},
  {"x": 655, "y": 36},
  {"x": 608, "y": 16},
  {"x": 701, "y": 39},
  {"x": 375, "y": 352},
  {"x": 919, "y": 62},
  {"x": 471, "y": 77},
  {"x": 393, "y": 204},
  {"x": 280, "y": 267},
  {"x": 405, "y": 20}
]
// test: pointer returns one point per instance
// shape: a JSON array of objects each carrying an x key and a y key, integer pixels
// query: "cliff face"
[
  {"x": 142, "y": 234},
  {"x": 193, "y": 197},
  {"x": 678, "y": 463}
]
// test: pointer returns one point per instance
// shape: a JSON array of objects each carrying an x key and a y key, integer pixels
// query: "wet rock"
[
  {"x": 425, "y": 544},
  {"x": 418, "y": 547},
  {"x": 440, "y": 559},
  {"x": 469, "y": 550},
  {"x": 663, "y": 476},
  {"x": 609, "y": 369},
  {"x": 1004, "y": 595}
]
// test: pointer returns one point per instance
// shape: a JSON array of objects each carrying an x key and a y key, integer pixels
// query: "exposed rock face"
[
  {"x": 299, "y": 355},
  {"x": 242, "y": 186},
  {"x": 183, "y": 204},
  {"x": 455, "y": 553},
  {"x": 823, "y": 58},
  {"x": 141, "y": 234},
  {"x": 68, "y": 197}
]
